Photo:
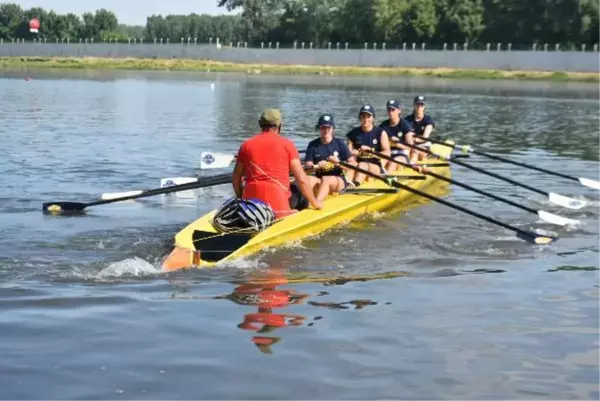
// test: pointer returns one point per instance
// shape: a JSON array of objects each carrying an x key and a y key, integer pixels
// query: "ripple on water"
[{"x": 86, "y": 312}]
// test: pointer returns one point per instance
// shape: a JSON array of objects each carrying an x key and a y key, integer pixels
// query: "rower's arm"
[
  {"x": 303, "y": 182},
  {"x": 350, "y": 146},
  {"x": 410, "y": 140},
  {"x": 428, "y": 131},
  {"x": 385, "y": 144},
  {"x": 238, "y": 174}
]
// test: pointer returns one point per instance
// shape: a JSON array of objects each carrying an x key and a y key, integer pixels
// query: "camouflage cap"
[{"x": 270, "y": 117}]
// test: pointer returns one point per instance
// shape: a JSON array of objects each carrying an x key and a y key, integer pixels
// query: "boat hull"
[{"x": 200, "y": 245}]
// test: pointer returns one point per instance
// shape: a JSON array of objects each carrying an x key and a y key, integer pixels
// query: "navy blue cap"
[
  {"x": 367, "y": 108},
  {"x": 326, "y": 120},
  {"x": 419, "y": 99},
  {"x": 393, "y": 103}
]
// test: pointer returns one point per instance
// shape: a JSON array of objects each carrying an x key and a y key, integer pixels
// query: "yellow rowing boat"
[{"x": 200, "y": 245}]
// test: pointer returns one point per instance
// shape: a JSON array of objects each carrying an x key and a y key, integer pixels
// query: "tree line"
[{"x": 476, "y": 22}]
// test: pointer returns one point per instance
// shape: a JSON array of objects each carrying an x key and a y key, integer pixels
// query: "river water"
[{"x": 426, "y": 304}]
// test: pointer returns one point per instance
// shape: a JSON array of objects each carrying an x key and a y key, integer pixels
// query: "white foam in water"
[{"x": 129, "y": 267}]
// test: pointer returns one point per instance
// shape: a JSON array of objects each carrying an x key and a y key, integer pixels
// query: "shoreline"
[{"x": 152, "y": 64}]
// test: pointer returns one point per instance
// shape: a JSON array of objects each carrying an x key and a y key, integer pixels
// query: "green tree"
[
  {"x": 461, "y": 20},
  {"x": 422, "y": 20},
  {"x": 11, "y": 16},
  {"x": 390, "y": 16}
]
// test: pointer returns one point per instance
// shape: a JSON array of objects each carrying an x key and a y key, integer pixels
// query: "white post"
[
  {"x": 534, "y": 46},
  {"x": 466, "y": 46},
  {"x": 509, "y": 46},
  {"x": 498, "y": 46},
  {"x": 311, "y": 45},
  {"x": 423, "y": 46},
  {"x": 414, "y": 45},
  {"x": 277, "y": 45},
  {"x": 374, "y": 46},
  {"x": 328, "y": 45},
  {"x": 403, "y": 45},
  {"x": 302, "y": 45},
  {"x": 295, "y": 44},
  {"x": 383, "y": 46},
  {"x": 455, "y": 46},
  {"x": 269, "y": 45},
  {"x": 262, "y": 45},
  {"x": 445, "y": 46},
  {"x": 337, "y": 45},
  {"x": 487, "y": 47},
  {"x": 583, "y": 47},
  {"x": 557, "y": 47},
  {"x": 195, "y": 40},
  {"x": 346, "y": 45},
  {"x": 596, "y": 47},
  {"x": 366, "y": 45},
  {"x": 210, "y": 40}
]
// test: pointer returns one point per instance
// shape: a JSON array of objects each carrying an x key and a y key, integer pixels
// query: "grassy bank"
[{"x": 218, "y": 66}]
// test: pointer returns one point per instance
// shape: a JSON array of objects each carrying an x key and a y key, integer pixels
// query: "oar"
[
  {"x": 57, "y": 207},
  {"x": 469, "y": 149},
  {"x": 546, "y": 216},
  {"x": 164, "y": 183},
  {"x": 210, "y": 160},
  {"x": 529, "y": 236},
  {"x": 555, "y": 198}
]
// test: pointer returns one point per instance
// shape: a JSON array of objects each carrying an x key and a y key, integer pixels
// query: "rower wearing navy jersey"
[
  {"x": 365, "y": 137},
  {"x": 400, "y": 132},
  {"x": 323, "y": 154},
  {"x": 422, "y": 124}
]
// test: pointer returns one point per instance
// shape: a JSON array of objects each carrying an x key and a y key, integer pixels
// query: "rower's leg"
[
  {"x": 360, "y": 177},
  {"x": 374, "y": 168},
  {"x": 328, "y": 184},
  {"x": 390, "y": 167},
  {"x": 350, "y": 174}
]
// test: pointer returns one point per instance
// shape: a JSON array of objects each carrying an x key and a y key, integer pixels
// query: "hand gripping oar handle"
[
  {"x": 525, "y": 235},
  {"x": 57, "y": 207}
]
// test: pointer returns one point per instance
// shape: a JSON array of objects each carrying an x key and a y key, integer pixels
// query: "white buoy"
[{"x": 212, "y": 87}]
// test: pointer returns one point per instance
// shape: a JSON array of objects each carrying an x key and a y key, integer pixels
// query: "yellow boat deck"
[{"x": 200, "y": 245}]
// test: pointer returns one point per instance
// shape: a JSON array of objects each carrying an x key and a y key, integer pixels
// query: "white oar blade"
[
  {"x": 114, "y": 195},
  {"x": 172, "y": 181},
  {"x": 210, "y": 160},
  {"x": 565, "y": 201},
  {"x": 590, "y": 183},
  {"x": 556, "y": 219}
]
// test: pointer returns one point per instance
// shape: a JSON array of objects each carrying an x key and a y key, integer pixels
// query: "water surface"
[{"x": 429, "y": 303}]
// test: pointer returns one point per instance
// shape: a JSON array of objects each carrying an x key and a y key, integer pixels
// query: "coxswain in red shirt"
[{"x": 265, "y": 162}]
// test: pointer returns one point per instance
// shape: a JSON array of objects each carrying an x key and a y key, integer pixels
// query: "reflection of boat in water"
[{"x": 263, "y": 291}]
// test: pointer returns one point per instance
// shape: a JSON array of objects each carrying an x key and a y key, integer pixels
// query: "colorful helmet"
[{"x": 243, "y": 215}]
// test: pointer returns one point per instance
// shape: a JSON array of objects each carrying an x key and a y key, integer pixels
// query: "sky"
[{"x": 128, "y": 12}]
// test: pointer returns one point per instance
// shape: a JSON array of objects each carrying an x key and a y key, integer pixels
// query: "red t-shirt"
[{"x": 266, "y": 159}]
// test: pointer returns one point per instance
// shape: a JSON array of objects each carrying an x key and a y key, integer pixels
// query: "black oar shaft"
[
  {"x": 396, "y": 184},
  {"x": 216, "y": 180},
  {"x": 516, "y": 163},
  {"x": 480, "y": 170},
  {"x": 461, "y": 184}
]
